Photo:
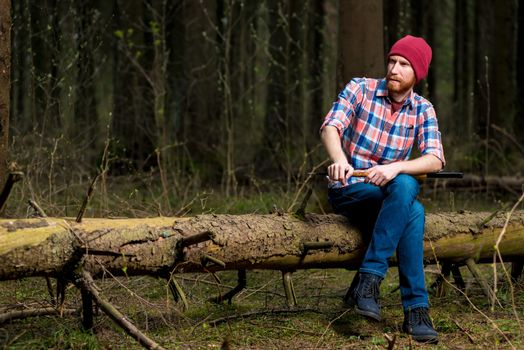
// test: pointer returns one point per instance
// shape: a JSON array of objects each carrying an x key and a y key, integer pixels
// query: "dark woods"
[{"x": 230, "y": 93}]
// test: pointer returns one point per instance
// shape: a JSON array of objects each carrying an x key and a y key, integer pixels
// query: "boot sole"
[
  {"x": 422, "y": 338},
  {"x": 368, "y": 314},
  {"x": 425, "y": 339}
]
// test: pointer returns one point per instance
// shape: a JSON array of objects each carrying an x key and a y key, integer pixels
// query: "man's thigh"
[{"x": 360, "y": 202}]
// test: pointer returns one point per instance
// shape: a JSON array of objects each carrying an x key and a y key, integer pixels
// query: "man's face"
[{"x": 401, "y": 76}]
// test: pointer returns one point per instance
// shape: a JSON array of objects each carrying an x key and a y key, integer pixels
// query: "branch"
[
  {"x": 87, "y": 283},
  {"x": 12, "y": 178},
  {"x": 260, "y": 313},
  {"x": 87, "y": 198},
  {"x": 509, "y": 137},
  {"x": 38, "y": 209},
  {"x": 45, "y": 311}
]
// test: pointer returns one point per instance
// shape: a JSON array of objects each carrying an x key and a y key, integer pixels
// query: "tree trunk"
[
  {"x": 201, "y": 101},
  {"x": 519, "y": 120},
  {"x": 311, "y": 75},
  {"x": 85, "y": 126},
  {"x": 276, "y": 118},
  {"x": 133, "y": 125},
  {"x": 160, "y": 246},
  {"x": 361, "y": 39},
  {"x": 5, "y": 82},
  {"x": 464, "y": 79},
  {"x": 504, "y": 65},
  {"x": 496, "y": 74}
]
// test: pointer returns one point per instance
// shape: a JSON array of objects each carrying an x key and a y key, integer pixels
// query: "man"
[{"x": 373, "y": 127}]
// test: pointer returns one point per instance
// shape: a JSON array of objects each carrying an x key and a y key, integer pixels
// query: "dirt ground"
[{"x": 259, "y": 318}]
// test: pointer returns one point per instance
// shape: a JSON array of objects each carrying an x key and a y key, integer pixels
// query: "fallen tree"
[
  {"x": 161, "y": 246},
  {"x": 78, "y": 252}
]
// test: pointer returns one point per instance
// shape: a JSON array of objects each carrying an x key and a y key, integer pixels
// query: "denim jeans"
[{"x": 394, "y": 219}]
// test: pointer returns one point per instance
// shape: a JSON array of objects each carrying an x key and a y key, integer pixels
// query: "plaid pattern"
[{"x": 371, "y": 135}]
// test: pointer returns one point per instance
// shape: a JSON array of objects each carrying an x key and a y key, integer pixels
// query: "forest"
[
  {"x": 228, "y": 95},
  {"x": 181, "y": 108}
]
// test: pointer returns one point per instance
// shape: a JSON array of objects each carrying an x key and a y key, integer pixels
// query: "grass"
[{"x": 258, "y": 316}]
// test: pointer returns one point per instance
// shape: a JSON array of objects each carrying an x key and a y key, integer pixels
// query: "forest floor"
[{"x": 258, "y": 317}]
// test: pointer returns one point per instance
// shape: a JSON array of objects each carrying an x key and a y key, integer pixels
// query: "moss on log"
[{"x": 152, "y": 246}]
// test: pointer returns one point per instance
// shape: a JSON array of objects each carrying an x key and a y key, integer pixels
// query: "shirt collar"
[{"x": 382, "y": 91}]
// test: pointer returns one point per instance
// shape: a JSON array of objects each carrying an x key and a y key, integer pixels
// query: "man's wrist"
[
  {"x": 399, "y": 167},
  {"x": 340, "y": 161}
]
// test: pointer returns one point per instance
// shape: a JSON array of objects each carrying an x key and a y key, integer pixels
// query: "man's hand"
[
  {"x": 380, "y": 175},
  {"x": 340, "y": 171}
]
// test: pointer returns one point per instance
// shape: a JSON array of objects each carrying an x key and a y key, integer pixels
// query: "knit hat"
[{"x": 417, "y": 51}]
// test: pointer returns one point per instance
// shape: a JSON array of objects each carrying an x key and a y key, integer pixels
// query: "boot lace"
[
  {"x": 370, "y": 288},
  {"x": 420, "y": 316}
]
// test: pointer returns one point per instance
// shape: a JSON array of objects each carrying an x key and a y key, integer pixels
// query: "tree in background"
[
  {"x": 5, "y": 83},
  {"x": 230, "y": 93},
  {"x": 361, "y": 40},
  {"x": 496, "y": 101}
]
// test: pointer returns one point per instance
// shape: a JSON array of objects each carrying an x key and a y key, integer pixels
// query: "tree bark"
[
  {"x": 361, "y": 39},
  {"x": 464, "y": 83},
  {"x": 5, "y": 82},
  {"x": 519, "y": 120},
  {"x": 85, "y": 118},
  {"x": 133, "y": 124},
  {"x": 162, "y": 246},
  {"x": 276, "y": 122},
  {"x": 495, "y": 76}
]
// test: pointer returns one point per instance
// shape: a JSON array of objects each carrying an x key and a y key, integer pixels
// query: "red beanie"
[{"x": 417, "y": 51}]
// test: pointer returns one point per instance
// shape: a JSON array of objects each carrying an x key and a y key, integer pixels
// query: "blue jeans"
[{"x": 394, "y": 220}]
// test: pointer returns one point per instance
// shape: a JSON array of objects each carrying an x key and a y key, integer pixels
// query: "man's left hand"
[{"x": 380, "y": 175}]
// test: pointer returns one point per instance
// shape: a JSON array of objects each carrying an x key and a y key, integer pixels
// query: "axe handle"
[{"x": 437, "y": 175}]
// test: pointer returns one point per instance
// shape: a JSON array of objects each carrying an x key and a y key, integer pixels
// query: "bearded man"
[{"x": 373, "y": 126}]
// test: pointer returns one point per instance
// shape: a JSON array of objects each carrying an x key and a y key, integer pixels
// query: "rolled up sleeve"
[
  {"x": 343, "y": 109},
  {"x": 429, "y": 138}
]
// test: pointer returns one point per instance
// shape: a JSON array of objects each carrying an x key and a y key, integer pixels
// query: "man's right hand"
[{"x": 340, "y": 171}]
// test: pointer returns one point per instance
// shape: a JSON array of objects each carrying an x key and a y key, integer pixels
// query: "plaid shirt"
[{"x": 371, "y": 135}]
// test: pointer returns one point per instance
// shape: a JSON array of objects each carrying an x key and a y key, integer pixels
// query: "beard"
[{"x": 398, "y": 85}]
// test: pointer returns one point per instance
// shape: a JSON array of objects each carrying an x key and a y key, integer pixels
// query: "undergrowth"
[{"x": 258, "y": 318}]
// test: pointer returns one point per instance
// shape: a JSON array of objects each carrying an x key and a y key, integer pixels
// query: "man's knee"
[
  {"x": 417, "y": 210},
  {"x": 417, "y": 220},
  {"x": 404, "y": 184}
]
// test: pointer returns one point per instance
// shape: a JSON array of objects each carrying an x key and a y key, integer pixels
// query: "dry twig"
[
  {"x": 12, "y": 178},
  {"x": 41, "y": 213},
  {"x": 260, "y": 313},
  {"x": 87, "y": 283},
  {"x": 305, "y": 183},
  {"x": 44, "y": 311},
  {"x": 470, "y": 337},
  {"x": 391, "y": 340},
  {"x": 495, "y": 326},
  {"x": 329, "y": 325},
  {"x": 499, "y": 255},
  {"x": 87, "y": 198}
]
